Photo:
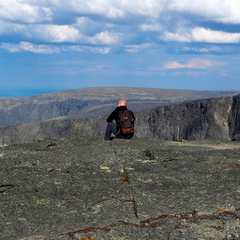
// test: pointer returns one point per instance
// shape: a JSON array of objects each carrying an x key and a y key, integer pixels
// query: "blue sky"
[{"x": 57, "y": 45}]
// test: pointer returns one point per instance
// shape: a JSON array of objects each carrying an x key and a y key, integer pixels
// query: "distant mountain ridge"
[
  {"x": 212, "y": 118},
  {"x": 92, "y": 102}
]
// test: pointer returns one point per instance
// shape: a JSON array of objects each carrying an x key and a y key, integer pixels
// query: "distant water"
[{"x": 10, "y": 93}]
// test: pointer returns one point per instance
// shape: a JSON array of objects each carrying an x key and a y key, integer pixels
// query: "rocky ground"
[{"x": 87, "y": 189}]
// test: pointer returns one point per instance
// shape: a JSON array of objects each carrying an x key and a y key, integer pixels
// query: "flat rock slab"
[{"x": 85, "y": 188}]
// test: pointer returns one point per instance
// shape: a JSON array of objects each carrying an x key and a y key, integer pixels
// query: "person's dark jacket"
[{"x": 114, "y": 116}]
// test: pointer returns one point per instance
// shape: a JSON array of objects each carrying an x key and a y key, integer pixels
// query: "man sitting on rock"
[{"x": 124, "y": 122}]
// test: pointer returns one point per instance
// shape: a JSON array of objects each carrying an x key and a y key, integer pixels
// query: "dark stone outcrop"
[
  {"x": 200, "y": 119},
  {"x": 215, "y": 118}
]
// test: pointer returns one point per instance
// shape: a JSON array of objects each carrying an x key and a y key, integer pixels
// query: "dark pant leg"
[{"x": 111, "y": 128}]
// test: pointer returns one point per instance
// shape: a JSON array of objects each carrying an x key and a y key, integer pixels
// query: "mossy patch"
[
  {"x": 105, "y": 168},
  {"x": 43, "y": 201},
  {"x": 145, "y": 161}
]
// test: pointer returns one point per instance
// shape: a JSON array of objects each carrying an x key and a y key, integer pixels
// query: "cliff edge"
[{"x": 214, "y": 118}]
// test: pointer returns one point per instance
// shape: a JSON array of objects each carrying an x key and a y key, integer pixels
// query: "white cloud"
[
  {"x": 77, "y": 48},
  {"x": 49, "y": 49},
  {"x": 38, "y": 11},
  {"x": 138, "y": 48},
  {"x": 41, "y": 32},
  {"x": 33, "y": 11},
  {"x": 106, "y": 38},
  {"x": 150, "y": 8},
  {"x": 225, "y": 11},
  {"x": 54, "y": 33},
  {"x": 180, "y": 36},
  {"x": 199, "y": 34},
  {"x": 105, "y": 8},
  {"x": 13, "y": 29},
  {"x": 207, "y": 35},
  {"x": 99, "y": 50},
  {"x": 122, "y": 8},
  {"x": 103, "y": 50},
  {"x": 202, "y": 50},
  {"x": 121, "y": 22},
  {"x": 193, "y": 64},
  {"x": 29, "y": 47},
  {"x": 154, "y": 27},
  {"x": 22, "y": 11}
]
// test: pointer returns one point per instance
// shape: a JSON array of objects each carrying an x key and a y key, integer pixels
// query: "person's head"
[{"x": 122, "y": 102}]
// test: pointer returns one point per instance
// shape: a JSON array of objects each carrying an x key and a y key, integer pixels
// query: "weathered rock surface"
[
  {"x": 85, "y": 188},
  {"x": 215, "y": 118}
]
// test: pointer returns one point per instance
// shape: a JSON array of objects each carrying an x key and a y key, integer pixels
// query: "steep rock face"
[
  {"x": 217, "y": 118},
  {"x": 32, "y": 111},
  {"x": 201, "y": 119},
  {"x": 234, "y": 119}
]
